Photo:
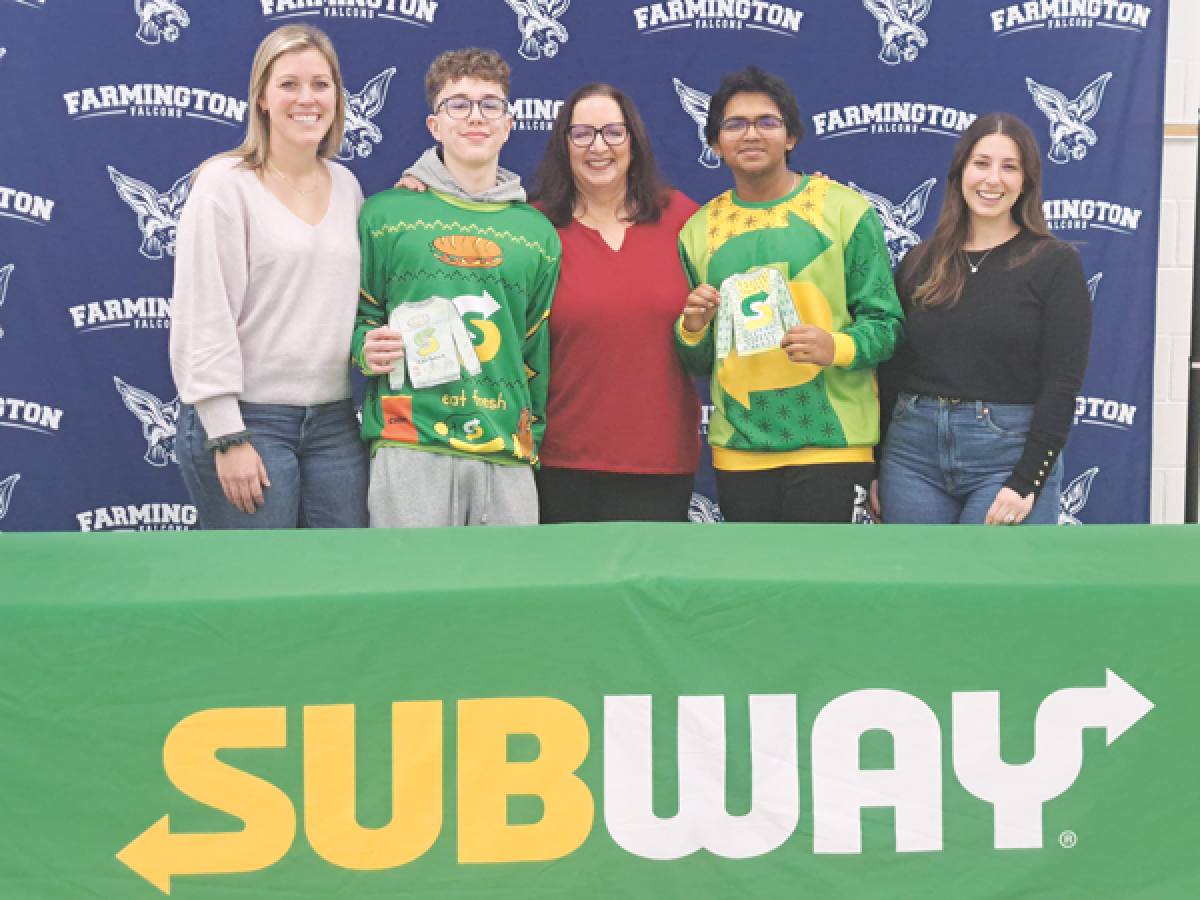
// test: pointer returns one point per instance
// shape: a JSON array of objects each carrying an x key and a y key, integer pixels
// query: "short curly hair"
[{"x": 470, "y": 62}]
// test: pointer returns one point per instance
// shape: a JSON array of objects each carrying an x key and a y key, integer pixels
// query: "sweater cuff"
[
  {"x": 220, "y": 416},
  {"x": 1022, "y": 486},
  {"x": 844, "y": 350},
  {"x": 691, "y": 338},
  {"x": 1034, "y": 467}
]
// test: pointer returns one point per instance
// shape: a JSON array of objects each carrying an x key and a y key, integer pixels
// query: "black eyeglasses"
[
  {"x": 739, "y": 124},
  {"x": 614, "y": 134},
  {"x": 459, "y": 106}
]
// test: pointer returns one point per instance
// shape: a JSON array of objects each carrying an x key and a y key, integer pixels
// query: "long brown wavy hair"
[
  {"x": 646, "y": 193},
  {"x": 939, "y": 267}
]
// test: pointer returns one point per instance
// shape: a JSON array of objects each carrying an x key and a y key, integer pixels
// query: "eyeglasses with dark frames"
[
  {"x": 615, "y": 134},
  {"x": 459, "y": 106},
  {"x": 739, "y": 124}
]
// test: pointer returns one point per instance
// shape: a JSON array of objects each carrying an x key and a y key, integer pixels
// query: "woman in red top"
[{"x": 622, "y": 420}]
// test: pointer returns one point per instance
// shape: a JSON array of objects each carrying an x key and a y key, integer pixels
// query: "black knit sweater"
[{"x": 1019, "y": 333}]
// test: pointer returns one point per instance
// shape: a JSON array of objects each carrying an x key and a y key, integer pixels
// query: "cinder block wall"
[{"x": 1175, "y": 261}]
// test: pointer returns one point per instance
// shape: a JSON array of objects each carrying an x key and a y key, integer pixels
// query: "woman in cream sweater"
[{"x": 266, "y": 285}]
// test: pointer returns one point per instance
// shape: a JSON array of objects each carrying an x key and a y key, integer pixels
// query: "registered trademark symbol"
[{"x": 1068, "y": 839}]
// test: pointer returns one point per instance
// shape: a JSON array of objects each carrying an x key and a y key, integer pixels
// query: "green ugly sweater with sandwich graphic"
[
  {"x": 497, "y": 263},
  {"x": 827, "y": 243}
]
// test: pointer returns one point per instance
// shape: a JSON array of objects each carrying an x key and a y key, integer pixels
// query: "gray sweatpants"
[{"x": 419, "y": 489}]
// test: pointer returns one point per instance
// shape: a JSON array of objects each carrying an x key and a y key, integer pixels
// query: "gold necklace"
[{"x": 288, "y": 181}]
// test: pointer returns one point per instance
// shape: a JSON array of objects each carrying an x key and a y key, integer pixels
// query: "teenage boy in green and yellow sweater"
[
  {"x": 454, "y": 427},
  {"x": 798, "y": 270}
]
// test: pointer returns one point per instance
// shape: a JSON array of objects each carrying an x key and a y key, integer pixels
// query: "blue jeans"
[
  {"x": 945, "y": 461},
  {"x": 315, "y": 460}
]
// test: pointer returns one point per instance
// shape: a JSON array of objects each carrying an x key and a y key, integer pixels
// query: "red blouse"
[{"x": 619, "y": 399}]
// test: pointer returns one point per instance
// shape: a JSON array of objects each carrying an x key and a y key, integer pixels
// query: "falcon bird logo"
[
  {"x": 902, "y": 37},
  {"x": 5, "y": 275},
  {"x": 541, "y": 32},
  {"x": 1068, "y": 118},
  {"x": 1093, "y": 283},
  {"x": 6, "y": 491},
  {"x": 157, "y": 214},
  {"x": 1072, "y": 500},
  {"x": 158, "y": 421},
  {"x": 701, "y": 509},
  {"x": 899, "y": 221},
  {"x": 695, "y": 104},
  {"x": 161, "y": 20},
  {"x": 361, "y": 134}
]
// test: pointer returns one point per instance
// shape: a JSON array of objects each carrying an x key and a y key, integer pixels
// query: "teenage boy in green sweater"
[
  {"x": 798, "y": 270},
  {"x": 456, "y": 288}
]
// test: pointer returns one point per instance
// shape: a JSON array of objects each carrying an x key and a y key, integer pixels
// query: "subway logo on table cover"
[{"x": 841, "y": 785}]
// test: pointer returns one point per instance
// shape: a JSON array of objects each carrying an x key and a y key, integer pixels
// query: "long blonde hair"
[{"x": 287, "y": 39}]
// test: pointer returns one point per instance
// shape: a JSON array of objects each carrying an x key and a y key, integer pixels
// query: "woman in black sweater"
[{"x": 981, "y": 394}]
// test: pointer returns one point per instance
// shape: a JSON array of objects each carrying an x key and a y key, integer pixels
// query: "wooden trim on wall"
[{"x": 1180, "y": 131}]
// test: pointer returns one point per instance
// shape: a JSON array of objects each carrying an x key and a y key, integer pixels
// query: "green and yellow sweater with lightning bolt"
[
  {"x": 498, "y": 262},
  {"x": 827, "y": 242}
]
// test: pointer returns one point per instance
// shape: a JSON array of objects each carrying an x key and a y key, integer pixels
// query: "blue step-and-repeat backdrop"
[{"x": 108, "y": 106}]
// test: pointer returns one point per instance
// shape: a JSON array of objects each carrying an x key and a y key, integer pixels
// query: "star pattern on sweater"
[
  {"x": 858, "y": 268},
  {"x": 881, "y": 288}
]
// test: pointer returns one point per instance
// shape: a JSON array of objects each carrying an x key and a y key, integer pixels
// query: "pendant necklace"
[
  {"x": 288, "y": 181},
  {"x": 975, "y": 266}
]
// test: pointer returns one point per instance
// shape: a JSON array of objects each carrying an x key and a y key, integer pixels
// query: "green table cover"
[{"x": 633, "y": 711}]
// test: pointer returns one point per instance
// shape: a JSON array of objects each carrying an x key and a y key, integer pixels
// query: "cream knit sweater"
[{"x": 264, "y": 303}]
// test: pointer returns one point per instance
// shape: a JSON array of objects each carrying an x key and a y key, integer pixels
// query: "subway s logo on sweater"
[{"x": 827, "y": 244}]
